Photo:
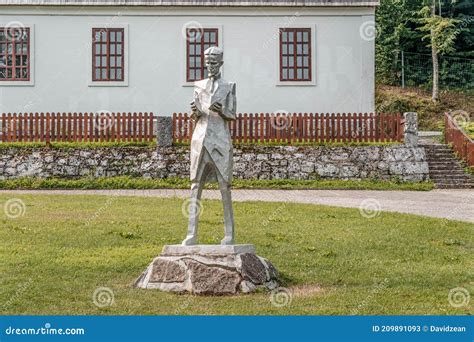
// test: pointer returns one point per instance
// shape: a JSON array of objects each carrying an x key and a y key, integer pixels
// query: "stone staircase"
[{"x": 446, "y": 170}]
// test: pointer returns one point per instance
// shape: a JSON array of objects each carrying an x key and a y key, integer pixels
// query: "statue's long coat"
[{"x": 212, "y": 130}]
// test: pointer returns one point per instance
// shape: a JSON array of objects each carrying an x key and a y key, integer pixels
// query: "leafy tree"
[
  {"x": 398, "y": 23},
  {"x": 462, "y": 10},
  {"x": 396, "y": 32},
  {"x": 441, "y": 33}
]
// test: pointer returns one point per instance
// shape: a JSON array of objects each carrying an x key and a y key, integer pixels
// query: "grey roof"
[{"x": 291, "y": 3}]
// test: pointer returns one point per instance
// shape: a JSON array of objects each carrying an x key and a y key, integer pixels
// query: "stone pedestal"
[{"x": 209, "y": 270}]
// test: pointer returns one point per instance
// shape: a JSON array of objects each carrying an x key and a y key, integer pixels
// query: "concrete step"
[
  {"x": 446, "y": 170},
  {"x": 452, "y": 181},
  {"x": 456, "y": 167},
  {"x": 436, "y": 165},
  {"x": 436, "y": 147},
  {"x": 451, "y": 178},
  {"x": 452, "y": 186},
  {"x": 432, "y": 153},
  {"x": 448, "y": 175},
  {"x": 443, "y": 160},
  {"x": 440, "y": 155},
  {"x": 438, "y": 150}
]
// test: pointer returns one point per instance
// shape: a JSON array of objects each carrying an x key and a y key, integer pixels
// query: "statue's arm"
[
  {"x": 196, "y": 111},
  {"x": 230, "y": 108}
]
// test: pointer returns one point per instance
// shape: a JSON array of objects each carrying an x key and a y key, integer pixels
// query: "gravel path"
[{"x": 449, "y": 204}]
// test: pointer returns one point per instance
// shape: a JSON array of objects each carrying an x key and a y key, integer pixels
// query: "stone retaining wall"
[{"x": 263, "y": 162}]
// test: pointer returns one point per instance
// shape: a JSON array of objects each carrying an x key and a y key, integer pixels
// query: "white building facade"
[{"x": 131, "y": 56}]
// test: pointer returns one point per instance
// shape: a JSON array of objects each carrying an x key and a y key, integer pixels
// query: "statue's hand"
[
  {"x": 193, "y": 107},
  {"x": 195, "y": 113},
  {"x": 216, "y": 107}
]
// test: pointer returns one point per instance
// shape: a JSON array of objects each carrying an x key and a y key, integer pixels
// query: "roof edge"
[{"x": 191, "y": 3}]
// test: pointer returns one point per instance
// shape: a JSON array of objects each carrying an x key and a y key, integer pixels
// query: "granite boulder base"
[{"x": 209, "y": 270}]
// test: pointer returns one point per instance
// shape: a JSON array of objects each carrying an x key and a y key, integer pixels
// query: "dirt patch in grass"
[{"x": 306, "y": 290}]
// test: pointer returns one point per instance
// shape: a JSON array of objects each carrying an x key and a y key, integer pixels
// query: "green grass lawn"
[{"x": 333, "y": 260}]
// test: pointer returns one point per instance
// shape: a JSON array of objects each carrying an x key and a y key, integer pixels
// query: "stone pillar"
[
  {"x": 164, "y": 131},
  {"x": 411, "y": 128}
]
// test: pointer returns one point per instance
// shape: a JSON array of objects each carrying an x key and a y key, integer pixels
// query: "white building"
[{"x": 295, "y": 56}]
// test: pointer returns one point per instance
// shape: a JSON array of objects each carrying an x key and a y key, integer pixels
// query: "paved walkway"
[{"x": 449, "y": 204}]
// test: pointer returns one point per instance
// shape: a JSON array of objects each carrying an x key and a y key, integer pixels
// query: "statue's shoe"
[
  {"x": 228, "y": 240},
  {"x": 189, "y": 241}
]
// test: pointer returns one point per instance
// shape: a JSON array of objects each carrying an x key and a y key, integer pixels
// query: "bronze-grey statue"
[
  {"x": 213, "y": 106},
  {"x": 175, "y": 270}
]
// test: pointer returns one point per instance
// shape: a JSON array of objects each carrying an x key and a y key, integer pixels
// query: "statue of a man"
[{"x": 213, "y": 106}]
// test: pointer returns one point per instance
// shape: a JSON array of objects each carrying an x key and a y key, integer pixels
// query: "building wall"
[{"x": 344, "y": 59}]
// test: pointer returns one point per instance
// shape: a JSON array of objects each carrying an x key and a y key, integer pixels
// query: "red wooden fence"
[
  {"x": 248, "y": 128},
  {"x": 77, "y": 127},
  {"x": 462, "y": 144},
  {"x": 307, "y": 127}
]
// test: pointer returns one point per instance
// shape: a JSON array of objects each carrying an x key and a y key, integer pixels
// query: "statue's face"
[{"x": 213, "y": 65}]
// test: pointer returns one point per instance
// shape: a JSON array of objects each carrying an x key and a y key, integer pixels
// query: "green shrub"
[{"x": 126, "y": 182}]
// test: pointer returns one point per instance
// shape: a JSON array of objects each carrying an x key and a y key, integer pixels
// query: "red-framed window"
[
  {"x": 14, "y": 54},
  {"x": 108, "y": 57},
  {"x": 198, "y": 40},
  {"x": 295, "y": 54}
]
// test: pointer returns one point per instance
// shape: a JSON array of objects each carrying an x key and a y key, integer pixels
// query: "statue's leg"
[
  {"x": 194, "y": 204},
  {"x": 228, "y": 211},
  {"x": 194, "y": 210}
]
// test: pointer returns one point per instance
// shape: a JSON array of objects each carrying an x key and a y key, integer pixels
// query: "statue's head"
[{"x": 214, "y": 58}]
